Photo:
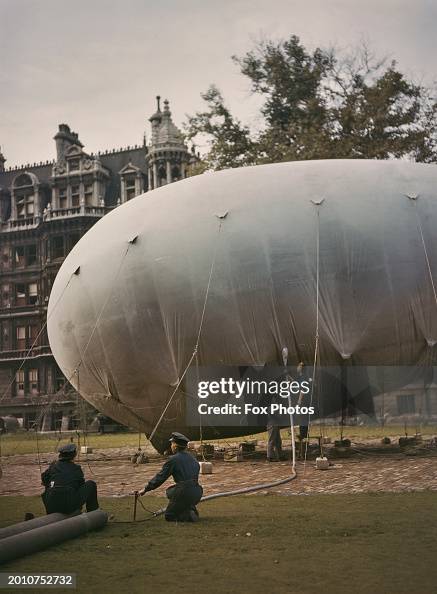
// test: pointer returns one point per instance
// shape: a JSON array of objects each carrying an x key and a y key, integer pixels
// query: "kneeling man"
[
  {"x": 65, "y": 487},
  {"x": 186, "y": 493}
]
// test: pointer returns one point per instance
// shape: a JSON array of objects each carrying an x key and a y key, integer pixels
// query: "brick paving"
[{"x": 116, "y": 476}]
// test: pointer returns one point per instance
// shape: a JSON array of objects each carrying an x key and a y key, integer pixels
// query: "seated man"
[
  {"x": 186, "y": 493},
  {"x": 65, "y": 487}
]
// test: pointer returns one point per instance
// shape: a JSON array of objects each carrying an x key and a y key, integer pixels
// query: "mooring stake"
[{"x": 135, "y": 505}]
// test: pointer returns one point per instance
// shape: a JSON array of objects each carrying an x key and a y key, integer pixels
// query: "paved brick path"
[{"x": 117, "y": 476}]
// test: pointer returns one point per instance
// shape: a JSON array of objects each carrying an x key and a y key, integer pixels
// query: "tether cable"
[
  {"x": 317, "y": 204},
  {"x": 414, "y": 199}
]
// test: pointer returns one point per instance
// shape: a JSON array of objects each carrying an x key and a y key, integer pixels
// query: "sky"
[{"x": 97, "y": 65}]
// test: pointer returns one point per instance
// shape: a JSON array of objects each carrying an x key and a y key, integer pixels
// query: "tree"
[
  {"x": 232, "y": 145},
  {"x": 318, "y": 105}
]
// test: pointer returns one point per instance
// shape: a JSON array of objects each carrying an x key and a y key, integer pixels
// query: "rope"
[
  {"x": 419, "y": 225},
  {"x": 316, "y": 346},
  {"x": 194, "y": 353},
  {"x": 37, "y": 449},
  {"x": 200, "y": 416},
  {"x": 82, "y": 354},
  {"x": 414, "y": 199}
]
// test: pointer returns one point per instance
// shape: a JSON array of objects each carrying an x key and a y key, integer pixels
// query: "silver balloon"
[{"x": 248, "y": 262}]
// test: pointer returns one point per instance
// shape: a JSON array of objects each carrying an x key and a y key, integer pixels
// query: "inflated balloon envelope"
[{"x": 244, "y": 263}]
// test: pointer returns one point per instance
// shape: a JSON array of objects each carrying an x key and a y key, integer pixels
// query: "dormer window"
[
  {"x": 25, "y": 196},
  {"x": 130, "y": 188},
  {"x": 25, "y": 206},
  {"x": 73, "y": 165},
  {"x": 132, "y": 182}
]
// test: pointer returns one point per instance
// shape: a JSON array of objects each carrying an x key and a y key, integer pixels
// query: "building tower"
[{"x": 168, "y": 157}]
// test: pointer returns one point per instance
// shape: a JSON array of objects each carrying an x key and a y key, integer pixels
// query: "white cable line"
[
  {"x": 419, "y": 224},
  {"x": 316, "y": 346}
]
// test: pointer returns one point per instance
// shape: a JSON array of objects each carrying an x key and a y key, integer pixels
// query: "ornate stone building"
[{"x": 44, "y": 210}]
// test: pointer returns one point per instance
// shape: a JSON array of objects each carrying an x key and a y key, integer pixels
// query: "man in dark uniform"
[
  {"x": 65, "y": 487},
  {"x": 186, "y": 493}
]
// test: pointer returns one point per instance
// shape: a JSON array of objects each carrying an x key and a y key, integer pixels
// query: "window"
[
  {"x": 75, "y": 195},
  {"x": 57, "y": 247},
  {"x": 73, "y": 164},
  {"x": 26, "y": 336},
  {"x": 63, "y": 198},
  {"x": 32, "y": 333},
  {"x": 33, "y": 294},
  {"x": 24, "y": 255},
  {"x": 20, "y": 295},
  {"x": 130, "y": 187},
  {"x": 21, "y": 338},
  {"x": 5, "y": 296},
  {"x": 19, "y": 256},
  {"x": 19, "y": 383},
  {"x": 25, "y": 206},
  {"x": 406, "y": 404},
  {"x": 33, "y": 381},
  {"x": 30, "y": 255},
  {"x": 30, "y": 210},
  {"x": 88, "y": 194},
  {"x": 5, "y": 337},
  {"x": 5, "y": 258},
  {"x": 30, "y": 421},
  {"x": 175, "y": 174},
  {"x": 21, "y": 207},
  {"x": 162, "y": 176},
  {"x": 57, "y": 420},
  {"x": 60, "y": 380}
]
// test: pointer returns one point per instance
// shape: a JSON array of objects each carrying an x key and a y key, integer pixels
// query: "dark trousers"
[
  {"x": 66, "y": 500},
  {"x": 183, "y": 498},
  {"x": 274, "y": 442}
]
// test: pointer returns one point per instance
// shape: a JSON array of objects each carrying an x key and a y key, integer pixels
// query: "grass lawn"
[
  {"x": 24, "y": 442},
  {"x": 364, "y": 544}
]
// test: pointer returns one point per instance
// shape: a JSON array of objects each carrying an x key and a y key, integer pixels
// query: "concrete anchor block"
[
  {"x": 322, "y": 463},
  {"x": 205, "y": 467}
]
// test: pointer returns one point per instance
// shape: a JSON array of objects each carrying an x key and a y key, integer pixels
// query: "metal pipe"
[
  {"x": 41, "y": 538},
  {"x": 35, "y": 523}
]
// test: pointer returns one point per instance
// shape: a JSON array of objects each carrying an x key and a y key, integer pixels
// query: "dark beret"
[{"x": 68, "y": 449}]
